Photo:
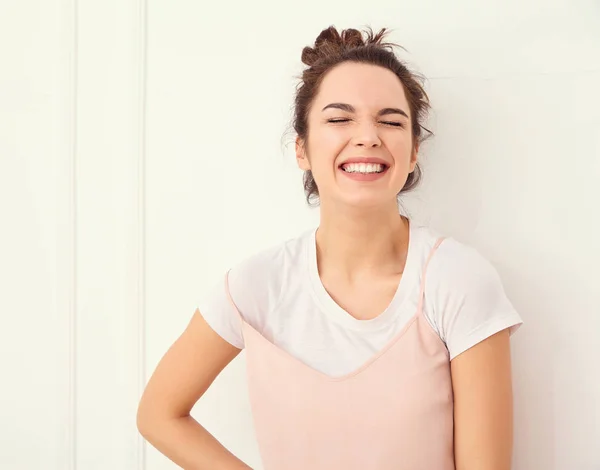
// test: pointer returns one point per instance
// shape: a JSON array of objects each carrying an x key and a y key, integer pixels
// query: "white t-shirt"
[{"x": 279, "y": 293}]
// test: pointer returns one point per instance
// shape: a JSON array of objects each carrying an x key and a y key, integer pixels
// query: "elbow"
[
  {"x": 148, "y": 420},
  {"x": 152, "y": 419},
  {"x": 143, "y": 422}
]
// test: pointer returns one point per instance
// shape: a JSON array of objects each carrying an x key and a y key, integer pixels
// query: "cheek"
[
  {"x": 324, "y": 147},
  {"x": 401, "y": 150}
]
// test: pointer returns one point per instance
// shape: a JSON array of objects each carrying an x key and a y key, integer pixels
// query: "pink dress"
[{"x": 394, "y": 412}]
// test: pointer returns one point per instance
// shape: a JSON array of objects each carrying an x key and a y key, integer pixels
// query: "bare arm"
[
  {"x": 483, "y": 405},
  {"x": 182, "y": 376}
]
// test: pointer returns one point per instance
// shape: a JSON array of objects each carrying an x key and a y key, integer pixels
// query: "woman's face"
[{"x": 359, "y": 115}]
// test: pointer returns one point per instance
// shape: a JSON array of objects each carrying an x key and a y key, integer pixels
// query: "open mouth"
[{"x": 363, "y": 168}]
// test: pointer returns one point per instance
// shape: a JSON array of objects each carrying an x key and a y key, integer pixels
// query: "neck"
[{"x": 362, "y": 241}]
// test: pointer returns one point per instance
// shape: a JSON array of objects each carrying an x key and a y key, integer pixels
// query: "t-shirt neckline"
[{"x": 337, "y": 313}]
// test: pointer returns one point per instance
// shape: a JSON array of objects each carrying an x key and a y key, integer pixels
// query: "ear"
[
  {"x": 413, "y": 158},
  {"x": 301, "y": 156}
]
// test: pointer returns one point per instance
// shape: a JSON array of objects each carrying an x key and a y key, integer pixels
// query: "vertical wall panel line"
[
  {"x": 141, "y": 216},
  {"x": 72, "y": 231}
]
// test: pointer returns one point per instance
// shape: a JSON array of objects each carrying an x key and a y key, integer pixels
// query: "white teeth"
[{"x": 363, "y": 167}]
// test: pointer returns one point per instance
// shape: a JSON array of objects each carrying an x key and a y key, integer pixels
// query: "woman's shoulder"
[
  {"x": 453, "y": 260},
  {"x": 465, "y": 297},
  {"x": 270, "y": 260},
  {"x": 255, "y": 285},
  {"x": 263, "y": 274}
]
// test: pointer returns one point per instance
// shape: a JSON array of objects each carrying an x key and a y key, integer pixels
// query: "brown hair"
[{"x": 332, "y": 48}]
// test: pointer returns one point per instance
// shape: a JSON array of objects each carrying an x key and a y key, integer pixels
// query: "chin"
[{"x": 368, "y": 201}]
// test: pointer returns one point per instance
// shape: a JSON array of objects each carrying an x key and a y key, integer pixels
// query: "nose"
[{"x": 366, "y": 136}]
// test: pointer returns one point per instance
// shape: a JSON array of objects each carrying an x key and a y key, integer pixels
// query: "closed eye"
[{"x": 387, "y": 123}]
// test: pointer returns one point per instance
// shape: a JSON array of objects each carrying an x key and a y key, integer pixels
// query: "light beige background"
[{"x": 141, "y": 154}]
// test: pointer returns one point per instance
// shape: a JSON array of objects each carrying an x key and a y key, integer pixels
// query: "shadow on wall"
[
  {"x": 534, "y": 349},
  {"x": 556, "y": 391}
]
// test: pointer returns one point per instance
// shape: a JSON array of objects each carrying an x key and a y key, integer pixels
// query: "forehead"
[{"x": 366, "y": 87}]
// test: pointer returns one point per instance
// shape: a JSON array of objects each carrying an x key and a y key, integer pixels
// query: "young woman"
[{"x": 371, "y": 342}]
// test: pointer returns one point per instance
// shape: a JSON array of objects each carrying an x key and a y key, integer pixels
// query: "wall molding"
[
  {"x": 72, "y": 233},
  {"x": 141, "y": 215}
]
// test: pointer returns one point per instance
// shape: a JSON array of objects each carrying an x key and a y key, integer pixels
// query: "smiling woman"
[{"x": 371, "y": 342}]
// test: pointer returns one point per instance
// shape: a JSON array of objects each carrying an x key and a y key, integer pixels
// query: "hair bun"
[
  {"x": 330, "y": 35},
  {"x": 352, "y": 38},
  {"x": 331, "y": 42},
  {"x": 309, "y": 56},
  {"x": 328, "y": 42}
]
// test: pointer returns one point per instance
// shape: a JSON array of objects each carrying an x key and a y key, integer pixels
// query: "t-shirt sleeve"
[
  {"x": 220, "y": 314},
  {"x": 254, "y": 289},
  {"x": 467, "y": 299}
]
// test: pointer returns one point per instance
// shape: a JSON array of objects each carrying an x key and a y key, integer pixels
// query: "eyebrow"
[{"x": 350, "y": 109}]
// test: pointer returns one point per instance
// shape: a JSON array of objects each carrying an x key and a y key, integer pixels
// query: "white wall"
[
  {"x": 71, "y": 199},
  {"x": 141, "y": 155}
]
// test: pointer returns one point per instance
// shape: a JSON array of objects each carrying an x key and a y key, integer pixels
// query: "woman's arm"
[
  {"x": 182, "y": 376},
  {"x": 483, "y": 405}
]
